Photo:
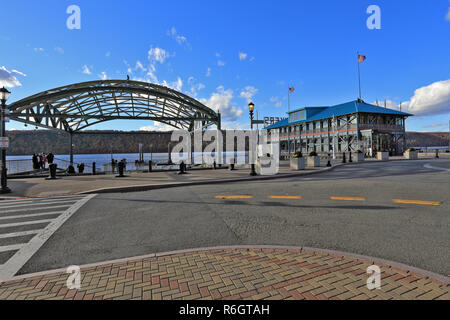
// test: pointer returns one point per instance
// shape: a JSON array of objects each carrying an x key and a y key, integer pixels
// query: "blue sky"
[{"x": 227, "y": 52}]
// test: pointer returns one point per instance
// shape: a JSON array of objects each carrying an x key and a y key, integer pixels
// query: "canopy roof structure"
[
  {"x": 75, "y": 107},
  {"x": 320, "y": 113}
]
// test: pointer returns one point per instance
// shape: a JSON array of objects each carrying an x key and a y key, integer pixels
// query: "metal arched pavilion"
[{"x": 77, "y": 106}]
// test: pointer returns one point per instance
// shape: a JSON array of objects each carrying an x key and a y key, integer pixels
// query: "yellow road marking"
[
  {"x": 430, "y": 203},
  {"x": 285, "y": 197},
  {"x": 234, "y": 197},
  {"x": 348, "y": 198}
]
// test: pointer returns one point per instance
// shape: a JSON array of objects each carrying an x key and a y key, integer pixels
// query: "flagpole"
[
  {"x": 359, "y": 76},
  {"x": 288, "y": 128}
]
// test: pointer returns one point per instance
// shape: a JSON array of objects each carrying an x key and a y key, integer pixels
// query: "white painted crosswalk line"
[
  {"x": 24, "y": 251},
  {"x": 40, "y": 203},
  {"x": 25, "y": 223},
  {"x": 11, "y": 247},
  {"x": 30, "y": 215},
  {"x": 34, "y": 209},
  {"x": 30, "y": 200},
  {"x": 18, "y": 234}
]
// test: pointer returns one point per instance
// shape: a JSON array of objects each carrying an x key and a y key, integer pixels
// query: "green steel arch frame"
[{"x": 75, "y": 107}]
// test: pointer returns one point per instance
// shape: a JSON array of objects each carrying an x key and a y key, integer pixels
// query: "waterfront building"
[{"x": 351, "y": 126}]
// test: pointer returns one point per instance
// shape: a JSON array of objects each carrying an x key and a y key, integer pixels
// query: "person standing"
[
  {"x": 50, "y": 158},
  {"x": 41, "y": 161},
  {"x": 44, "y": 156},
  {"x": 33, "y": 160}
]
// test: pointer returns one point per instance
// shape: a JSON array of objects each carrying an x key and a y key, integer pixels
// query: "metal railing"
[
  {"x": 26, "y": 166},
  {"x": 141, "y": 166}
]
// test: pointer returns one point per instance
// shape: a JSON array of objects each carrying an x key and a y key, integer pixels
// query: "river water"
[{"x": 99, "y": 159}]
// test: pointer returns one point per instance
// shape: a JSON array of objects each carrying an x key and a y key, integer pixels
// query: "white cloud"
[
  {"x": 108, "y": 54},
  {"x": 388, "y": 103},
  {"x": 157, "y": 126},
  {"x": 8, "y": 78},
  {"x": 248, "y": 93},
  {"x": 447, "y": 16},
  {"x": 220, "y": 63},
  {"x": 242, "y": 56},
  {"x": 157, "y": 55},
  {"x": 208, "y": 72},
  {"x": 59, "y": 50},
  {"x": 152, "y": 75},
  {"x": 103, "y": 75},
  {"x": 276, "y": 101},
  {"x": 229, "y": 125},
  {"x": 176, "y": 85},
  {"x": 437, "y": 125},
  {"x": 140, "y": 66},
  {"x": 38, "y": 49},
  {"x": 195, "y": 87},
  {"x": 86, "y": 69},
  {"x": 433, "y": 99},
  {"x": 178, "y": 37},
  {"x": 221, "y": 101}
]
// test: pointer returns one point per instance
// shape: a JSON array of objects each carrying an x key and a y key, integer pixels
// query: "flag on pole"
[
  {"x": 291, "y": 89},
  {"x": 361, "y": 58}
]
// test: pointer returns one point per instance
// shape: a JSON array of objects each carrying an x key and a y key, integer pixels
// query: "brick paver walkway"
[{"x": 231, "y": 274}]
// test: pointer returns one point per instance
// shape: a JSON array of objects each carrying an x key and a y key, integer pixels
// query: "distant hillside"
[
  {"x": 426, "y": 139},
  {"x": 25, "y": 142}
]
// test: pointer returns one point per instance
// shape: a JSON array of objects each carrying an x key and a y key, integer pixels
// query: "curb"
[
  {"x": 373, "y": 260},
  {"x": 147, "y": 187}
]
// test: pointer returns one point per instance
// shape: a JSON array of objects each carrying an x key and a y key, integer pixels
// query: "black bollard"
[
  {"x": 70, "y": 169},
  {"x": 231, "y": 166},
  {"x": 214, "y": 164},
  {"x": 120, "y": 167},
  {"x": 437, "y": 154},
  {"x": 350, "y": 157},
  {"x": 252, "y": 170},
  {"x": 150, "y": 166},
  {"x": 343, "y": 158},
  {"x": 182, "y": 168},
  {"x": 52, "y": 171},
  {"x": 328, "y": 163},
  {"x": 93, "y": 168}
]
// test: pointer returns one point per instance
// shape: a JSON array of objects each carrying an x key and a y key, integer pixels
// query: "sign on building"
[{"x": 271, "y": 120}]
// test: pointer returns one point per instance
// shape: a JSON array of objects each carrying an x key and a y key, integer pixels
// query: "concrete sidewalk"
[
  {"x": 39, "y": 187},
  {"x": 233, "y": 273}
]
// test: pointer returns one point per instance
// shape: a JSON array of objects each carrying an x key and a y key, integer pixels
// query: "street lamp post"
[
  {"x": 168, "y": 151},
  {"x": 251, "y": 107},
  {"x": 4, "y": 95}
]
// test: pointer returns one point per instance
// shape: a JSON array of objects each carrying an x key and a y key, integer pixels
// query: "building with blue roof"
[{"x": 350, "y": 126}]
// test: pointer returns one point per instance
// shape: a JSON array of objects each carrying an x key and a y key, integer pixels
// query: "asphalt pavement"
[{"x": 398, "y": 211}]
